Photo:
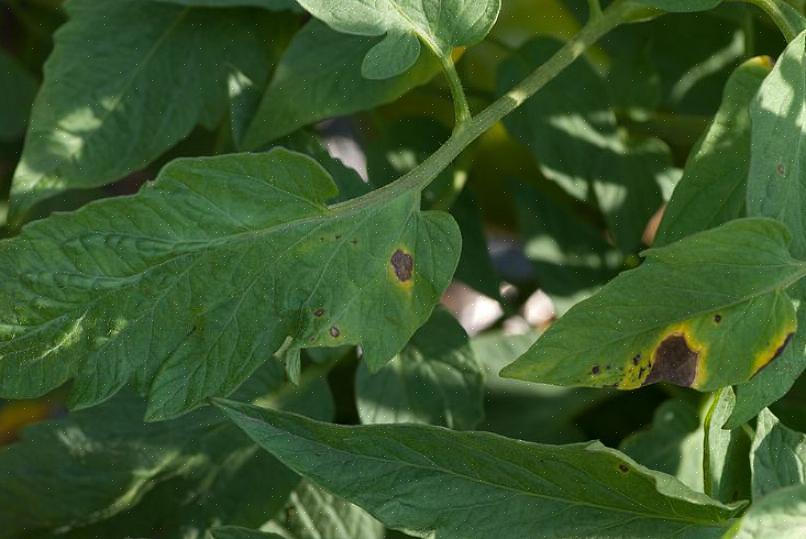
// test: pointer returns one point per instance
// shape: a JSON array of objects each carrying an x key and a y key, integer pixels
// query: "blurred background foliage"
[{"x": 542, "y": 228}]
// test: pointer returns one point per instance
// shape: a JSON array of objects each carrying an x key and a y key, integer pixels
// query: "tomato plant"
[{"x": 361, "y": 269}]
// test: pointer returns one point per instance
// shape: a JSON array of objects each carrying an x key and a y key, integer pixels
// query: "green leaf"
[
  {"x": 714, "y": 184},
  {"x": 318, "y": 58},
  {"x": 234, "y": 532},
  {"x": 725, "y": 468},
  {"x": 411, "y": 474},
  {"x": 108, "y": 104},
  {"x": 682, "y": 5},
  {"x": 573, "y": 133},
  {"x": 274, "y": 5},
  {"x": 781, "y": 515},
  {"x": 17, "y": 87},
  {"x": 571, "y": 257},
  {"x": 673, "y": 443},
  {"x": 669, "y": 319},
  {"x": 434, "y": 380},
  {"x": 776, "y": 189},
  {"x": 777, "y": 182},
  {"x": 441, "y": 25},
  {"x": 314, "y": 513},
  {"x": 190, "y": 285},
  {"x": 777, "y": 457},
  {"x": 97, "y": 466}
]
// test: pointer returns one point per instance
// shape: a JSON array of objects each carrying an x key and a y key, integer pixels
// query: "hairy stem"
[
  {"x": 416, "y": 180},
  {"x": 460, "y": 107},
  {"x": 781, "y": 13}
]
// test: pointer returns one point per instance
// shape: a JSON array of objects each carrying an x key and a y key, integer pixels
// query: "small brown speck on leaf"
[
  {"x": 334, "y": 332},
  {"x": 717, "y": 318},
  {"x": 636, "y": 359},
  {"x": 403, "y": 265},
  {"x": 780, "y": 169},
  {"x": 596, "y": 369},
  {"x": 623, "y": 468},
  {"x": 319, "y": 312}
]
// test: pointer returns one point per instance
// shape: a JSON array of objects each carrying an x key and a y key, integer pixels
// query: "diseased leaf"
[
  {"x": 190, "y": 285},
  {"x": 441, "y": 25},
  {"x": 704, "y": 312},
  {"x": 234, "y": 532},
  {"x": 572, "y": 131},
  {"x": 777, "y": 457},
  {"x": 411, "y": 474},
  {"x": 782, "y": 515},
  {"x": 97, "y": 466},
  {"x": 319, "y": 58},
  {"x": 714, "y": 184},
  {"x": 17, "y": 87},
  {"x": 119, "y": 69},
  {"x": 314, "y": 513},
  {"x": 435, "y": 380}
]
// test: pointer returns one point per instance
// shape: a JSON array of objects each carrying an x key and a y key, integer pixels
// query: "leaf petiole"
[
  {"x": 460, "y": 106},
  {"x": 781, "y": 13}
]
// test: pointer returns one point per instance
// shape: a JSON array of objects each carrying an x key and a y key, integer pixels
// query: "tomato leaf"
[
  {"x": 190, "y": 285},
  {"x": 778, "y": 456},
  {"x": 410, "y": 475},
  {"x": 441, "y": 25},
  {"x": 670, "y": 319}
]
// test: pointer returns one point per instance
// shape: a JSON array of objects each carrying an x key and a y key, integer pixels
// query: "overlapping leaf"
[
  {"x": 319, "y": 76},
  {"x": 189, "y": 286},
  {"x": 97, "y": 467},
  {"x": 435, "y": 380},
  {"x": 17, "y": 87},
  {"x": 778, "y": 456},
  {"x": 410, "y": 477},
  {"x": 782, "y": 515},
  {"x": 705, "y": 312},
  {"x": 440, "y": 24},
  {"x": 127, "y": 79}
]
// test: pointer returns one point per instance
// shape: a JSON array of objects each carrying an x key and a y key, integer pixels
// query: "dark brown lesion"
[
  {"x": 675, "y": 362},
  {"x": 777, "y": 353},
  {"x": 403, "y": 264}
]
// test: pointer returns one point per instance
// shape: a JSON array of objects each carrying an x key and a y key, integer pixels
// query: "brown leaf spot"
[
  {"x": 780, "y": 349},
  {"x": 403, "y": 265},
  {"x": 334, "y": 332},
  {"x": 319, "y": 312},
  {"x": 780, "y": 169},
  {"x": 717, "y": 318},
  {"x": 636, "y": 359},
  {"x": 623, "y": 468},
  {"x": 596, "y": 369},
  {"x": 675, "y": 362}
]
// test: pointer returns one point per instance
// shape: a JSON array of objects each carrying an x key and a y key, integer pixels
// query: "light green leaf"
[
  {"x": 673, "y": 444},
  {"x": 781, "y": 515},
  {"x": 314, "y": 513},
  {"x": 777, "y": 457},
  {"x": 573, "y": 133},
  {"x": 668, "y": 319},
  {"x": 234, "y": 532},
  {"x": 411, "y": 474},
  {"x": 108, "y": 104},
  {"x": 17, "y": 87},
  {"x": 776, "y": 188},
  {"x": 441, "y": 25},
  {"x": 726, "y": 472},
  {"x": 714, "y": 184},
  {"x": 434, "y": 380},
  {"x": 777, "y": 181},
  {"x": 318, "y": 58},
  {"x": 190, "y": 285},
  {"x": 96, "y": 467},
  {"x": 682, "y": 5}
]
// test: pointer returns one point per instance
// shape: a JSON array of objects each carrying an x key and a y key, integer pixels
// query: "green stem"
[
  {"x": 707, "y": 480},
  {"x": 460, "y": 107},
  {"x": 594, "y": 9},
  {"x": 416, "y": 180},
  {"x": 781, "y": 13}
]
